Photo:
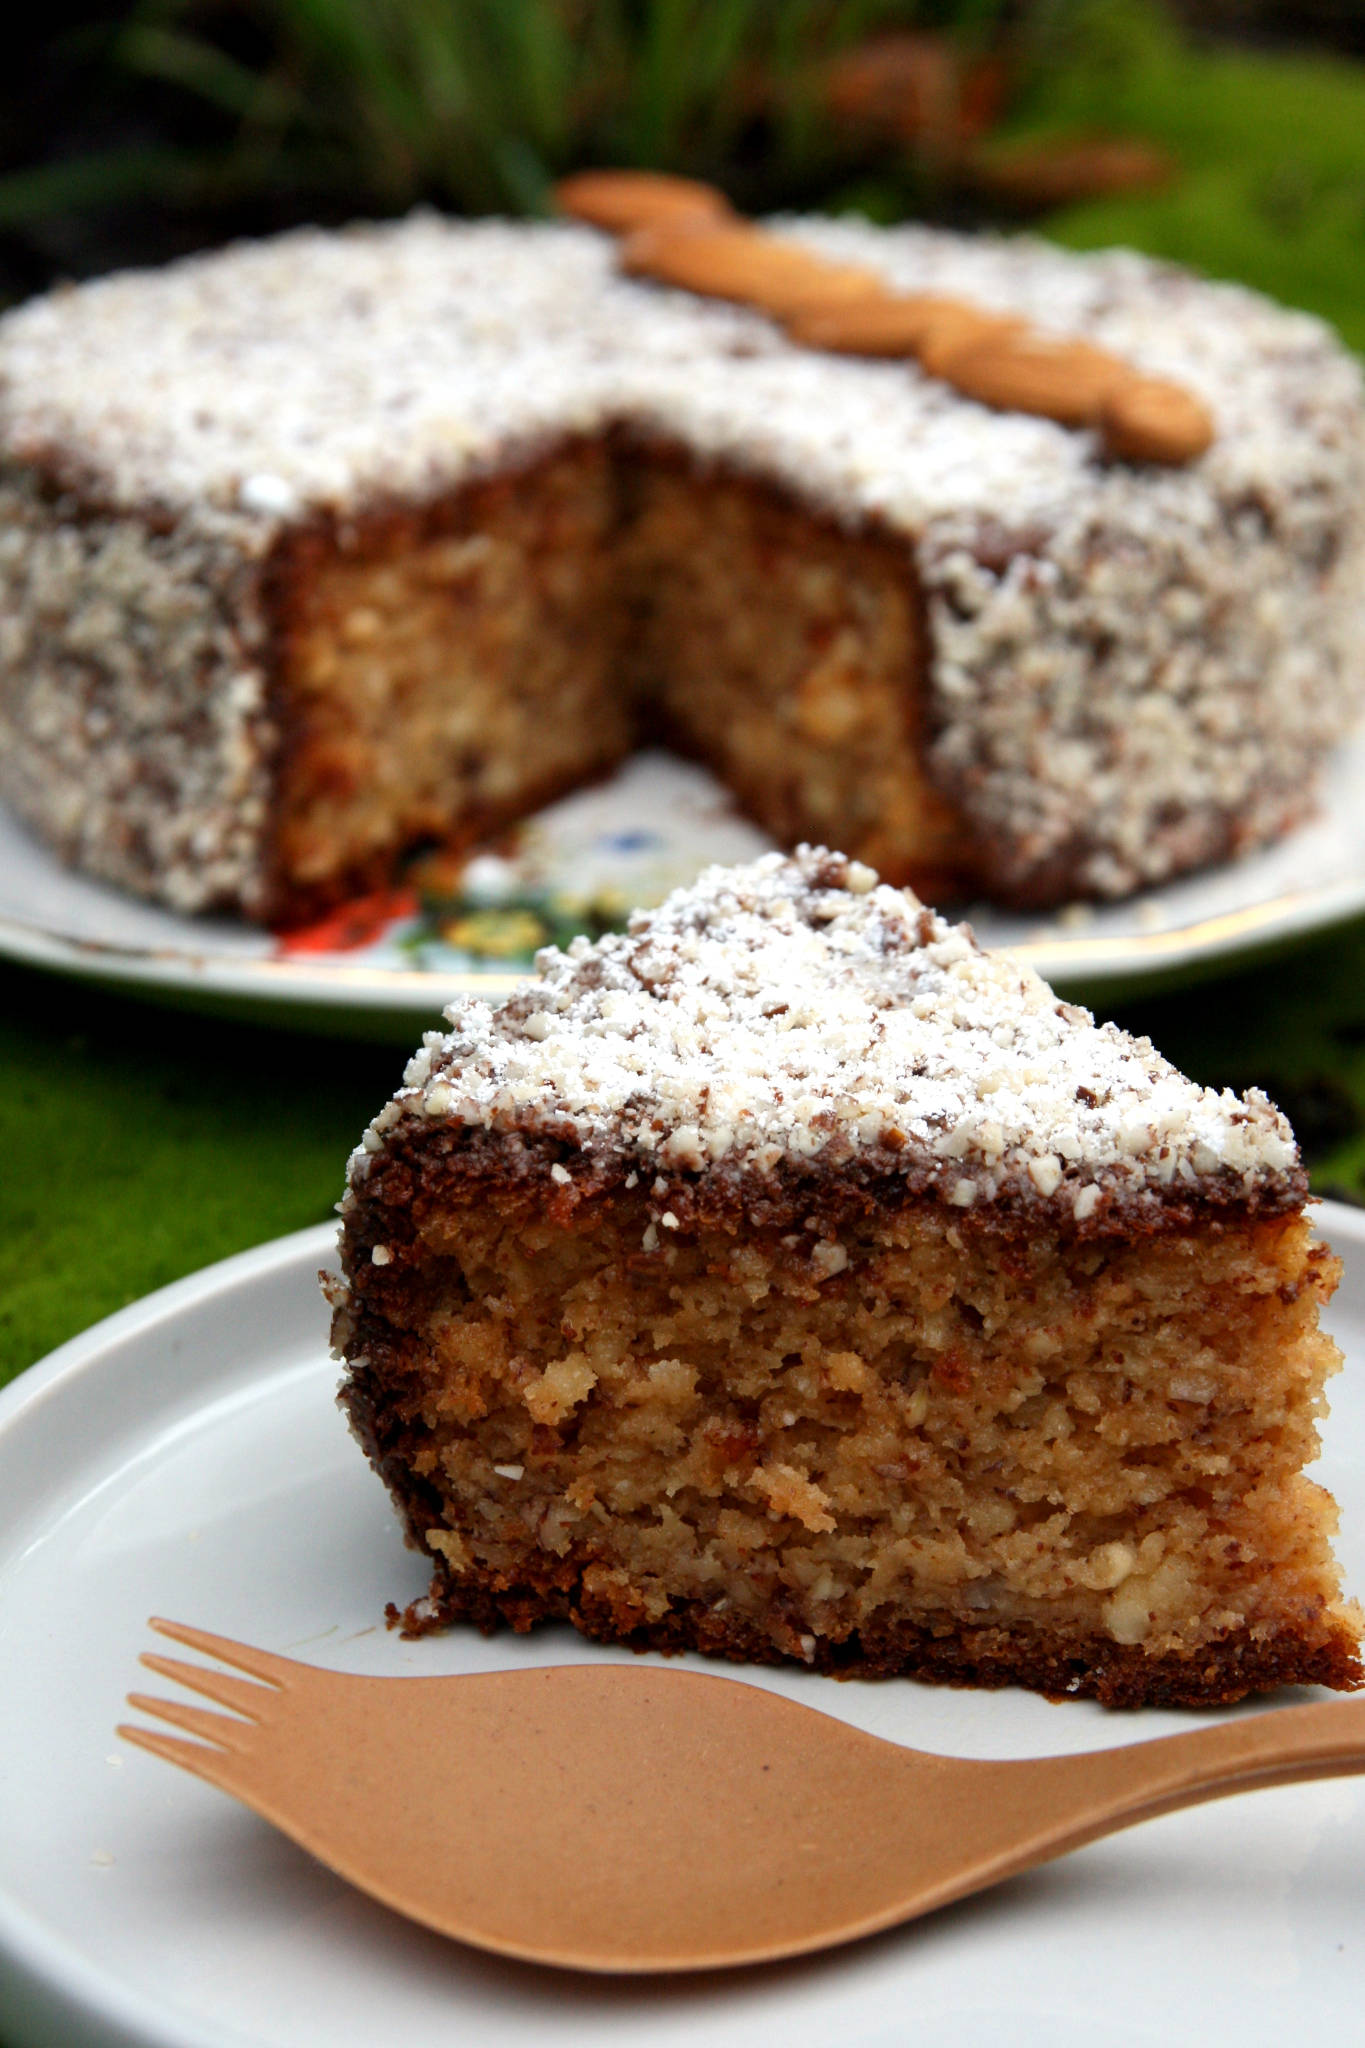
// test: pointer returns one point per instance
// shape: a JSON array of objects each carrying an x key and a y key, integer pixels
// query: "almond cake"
[
  {"x": 787, "y": 1277},
  {"x": 319, "y": 549}
]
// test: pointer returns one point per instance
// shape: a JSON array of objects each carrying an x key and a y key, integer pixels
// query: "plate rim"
[
  {"x": 49, "y": 1988},
  {"x": 77, "y": 1354},
  {"x": 291, "y": 984},
  {"x": 53, "y": 1993},
  {"x": 1092, "y": 961}
]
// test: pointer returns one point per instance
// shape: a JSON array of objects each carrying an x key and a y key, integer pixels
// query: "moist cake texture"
[
  {"x": 255, "y": 506},
  {"x": 787, "y": 1277}
]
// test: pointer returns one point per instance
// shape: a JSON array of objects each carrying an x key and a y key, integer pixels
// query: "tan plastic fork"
[{"x": 628, "y": 1817}]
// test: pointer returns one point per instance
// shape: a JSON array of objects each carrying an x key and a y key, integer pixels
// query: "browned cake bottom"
[
  {"x": 919, "y": 1445},
  {"x": 1057, "y": 1663}
]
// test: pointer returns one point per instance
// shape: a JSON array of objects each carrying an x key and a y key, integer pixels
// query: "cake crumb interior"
[
  {"x": 447, "y": 671},
  {"x": 834, "y": 1447},
  {"x": 791, "y": 657}
]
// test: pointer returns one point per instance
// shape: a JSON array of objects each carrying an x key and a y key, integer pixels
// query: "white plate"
[
  {"x": 186, "y": 1458},
  {"x": 628, "y": 842}
]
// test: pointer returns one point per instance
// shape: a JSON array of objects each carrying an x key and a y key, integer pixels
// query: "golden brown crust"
[{"x": 436, "y": 1164}]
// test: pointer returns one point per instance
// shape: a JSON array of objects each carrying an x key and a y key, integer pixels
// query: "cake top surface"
[
  {"x": 797, "y": 1012},
  {"x": 333, "y": 370}
]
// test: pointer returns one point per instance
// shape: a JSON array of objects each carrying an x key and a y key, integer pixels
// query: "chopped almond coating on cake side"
[{"x": 787, "y": 1277}]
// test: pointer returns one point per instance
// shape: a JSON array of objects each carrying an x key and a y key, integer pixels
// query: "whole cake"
[
  {"x": 318, "y": 549},
  {"x": 788, "y": 1278}
]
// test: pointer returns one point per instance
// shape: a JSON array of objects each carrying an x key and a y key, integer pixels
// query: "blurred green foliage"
[
  {"x": 479, "y": 104},
  {"x": 1271, "y": 149},
  {"x": 368, "y": 106}
]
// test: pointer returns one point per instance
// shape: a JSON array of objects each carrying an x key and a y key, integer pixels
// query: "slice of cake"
[{"x": 789, "y": 1278}]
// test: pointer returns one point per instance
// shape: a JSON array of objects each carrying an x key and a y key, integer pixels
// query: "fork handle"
[{"x": 1076, "y": 1799}]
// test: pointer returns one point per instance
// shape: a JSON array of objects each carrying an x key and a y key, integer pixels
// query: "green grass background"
[
  {"x": 139, "y": 1143},
  {"x": 1272, "y": 184}
]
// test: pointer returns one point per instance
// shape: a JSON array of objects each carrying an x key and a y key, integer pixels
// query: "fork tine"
[
  {"x": 215, "y": 1766},
  {"x": 244, "y": 1695},
  {"x": 260, "y": 1663},
  {"x": 223, "y": 1729}
]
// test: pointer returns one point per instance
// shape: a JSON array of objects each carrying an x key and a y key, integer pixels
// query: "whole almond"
[
  {"x": 1150, "y": 420},
  {"x": 1066, "y": 381},
  {"x": 957, "y": 328},
  {"x": 994, "y": 358},
  {"x": 742, "y": 264},
  {"x": 884, "y": 324},
  {"x": 621, "y": 201}
]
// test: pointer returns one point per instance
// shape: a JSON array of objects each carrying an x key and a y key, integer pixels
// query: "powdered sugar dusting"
[
  {"x": 795, "y": 1011},
  {"x": 318, "y": 369}
]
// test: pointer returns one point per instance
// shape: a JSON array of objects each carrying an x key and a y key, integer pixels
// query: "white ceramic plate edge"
[
  {"x": 1307, "y": 882},
  {"x": 201, "y": 1291},
  {"x": 49, "y": 1993},
  {"x": 419, "y": 993}
]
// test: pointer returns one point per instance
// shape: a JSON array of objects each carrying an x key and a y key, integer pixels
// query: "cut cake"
[{"x": 318, "y": 549}]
